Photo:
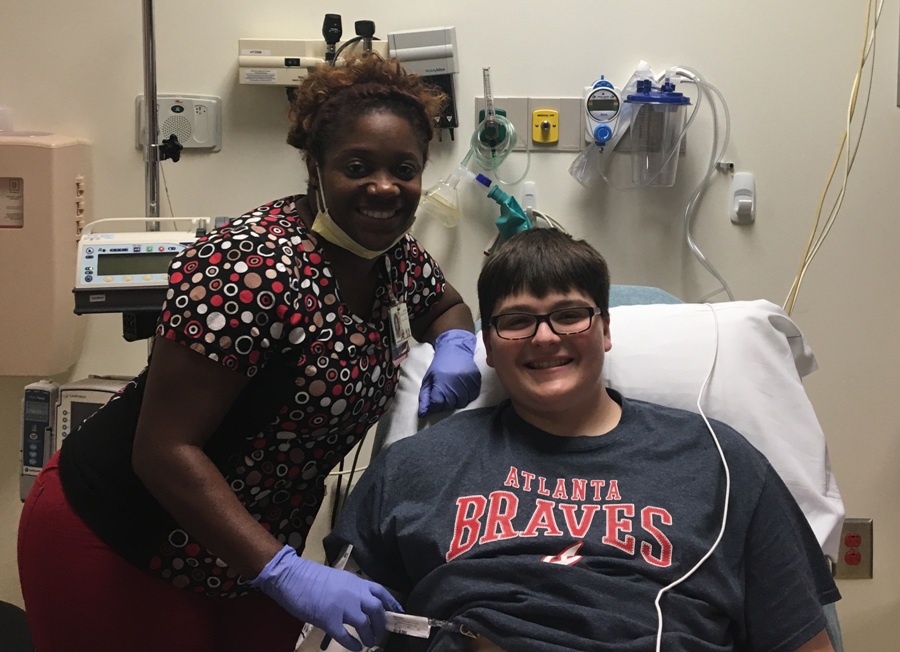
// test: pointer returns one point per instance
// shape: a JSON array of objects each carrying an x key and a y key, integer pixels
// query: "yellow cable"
[{"x": 814, "y": 243}]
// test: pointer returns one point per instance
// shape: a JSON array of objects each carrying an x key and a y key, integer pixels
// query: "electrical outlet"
[{"x": 855, "y": 554}]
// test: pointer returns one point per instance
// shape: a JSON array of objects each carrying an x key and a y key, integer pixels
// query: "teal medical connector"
[{"x": 512, "y": 216}]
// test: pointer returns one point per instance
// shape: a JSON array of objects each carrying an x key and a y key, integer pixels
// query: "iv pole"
[
  {"x": 155, "y": 152},
  {"x": 170, "y": 148},
  {"x": 151, "y": 152}
]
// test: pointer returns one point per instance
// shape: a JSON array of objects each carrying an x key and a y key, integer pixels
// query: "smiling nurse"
[{"x": 174, "y": 518}]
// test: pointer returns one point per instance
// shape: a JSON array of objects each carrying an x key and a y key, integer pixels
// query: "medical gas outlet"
[
  {"x": 545, "y": 126},
  {"x": 542, "y": 124}
]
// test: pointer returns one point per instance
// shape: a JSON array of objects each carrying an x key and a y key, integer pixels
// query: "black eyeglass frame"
[{"x": 545, "y": 318}]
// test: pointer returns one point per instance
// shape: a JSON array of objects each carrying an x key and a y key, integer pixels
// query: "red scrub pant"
[{"x": 80, "y": 595}]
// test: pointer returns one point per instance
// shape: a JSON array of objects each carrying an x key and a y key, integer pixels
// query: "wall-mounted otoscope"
[
  {"x": 365, "y": 29},
  {"x": 331, "y": 32}
]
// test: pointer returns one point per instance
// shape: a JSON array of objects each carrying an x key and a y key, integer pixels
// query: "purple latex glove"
[
  {"x": 327, "y": 598},
  {"x": 452, "y": 380}
]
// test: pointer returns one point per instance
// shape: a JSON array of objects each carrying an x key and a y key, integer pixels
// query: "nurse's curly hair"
[{"x": 330, "y": 98}]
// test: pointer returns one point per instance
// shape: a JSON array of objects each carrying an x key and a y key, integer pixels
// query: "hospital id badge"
[{"x": 400, "y": 332}]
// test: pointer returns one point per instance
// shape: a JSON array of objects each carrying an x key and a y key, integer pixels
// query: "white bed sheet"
[{"x": 662, "y": 353}]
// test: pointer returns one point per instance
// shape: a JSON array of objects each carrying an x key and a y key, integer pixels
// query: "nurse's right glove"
[{"x": 327, "y": 598}]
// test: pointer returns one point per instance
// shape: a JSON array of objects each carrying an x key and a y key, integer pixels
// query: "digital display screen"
[
  {"x": 81, "y": 411},
  {"x": 142, "y": 263},
  {"x": 37, "y": 411},
  {"x": 603, "y": 104}
]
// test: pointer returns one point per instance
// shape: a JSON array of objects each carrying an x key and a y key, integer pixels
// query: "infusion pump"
[
  {"x": 51, "y": 412},
  {"x": 117, "y": 272}
]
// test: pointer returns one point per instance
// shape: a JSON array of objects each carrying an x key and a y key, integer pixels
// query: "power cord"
[
  {"x": 700, "y": 396},
  {"x": 339, "y": 500},
  {"x": 817, "y": 237}
]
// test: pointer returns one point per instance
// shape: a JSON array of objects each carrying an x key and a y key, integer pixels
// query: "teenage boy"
[{"x": 561, "y": 518}]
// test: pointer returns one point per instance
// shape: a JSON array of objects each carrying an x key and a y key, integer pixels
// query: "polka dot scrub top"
[{"x": 257, "y": 296}]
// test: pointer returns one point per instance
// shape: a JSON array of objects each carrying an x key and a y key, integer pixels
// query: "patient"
[{"x": 557, "y": 520}]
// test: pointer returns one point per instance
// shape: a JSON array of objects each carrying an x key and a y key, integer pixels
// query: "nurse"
[{"x": 174, "y": 518}]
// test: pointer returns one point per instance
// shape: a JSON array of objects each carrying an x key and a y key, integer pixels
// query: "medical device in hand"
[
  {"x": 420, "y": 626},
  {"x": 602, "y": 106}
]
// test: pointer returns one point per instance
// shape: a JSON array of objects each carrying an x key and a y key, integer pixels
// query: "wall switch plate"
[{"x": 855, "y": 555}]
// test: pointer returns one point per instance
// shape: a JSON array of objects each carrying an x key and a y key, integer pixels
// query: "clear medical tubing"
[
  {"x": 715, "y": 155},
  {"x": 490, "y": 158}
]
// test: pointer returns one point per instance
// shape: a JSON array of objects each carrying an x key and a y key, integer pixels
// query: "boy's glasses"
[{"x": 565, "y": 321}]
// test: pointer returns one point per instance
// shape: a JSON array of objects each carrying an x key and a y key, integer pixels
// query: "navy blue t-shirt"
[{"x": 545, "y": 543}]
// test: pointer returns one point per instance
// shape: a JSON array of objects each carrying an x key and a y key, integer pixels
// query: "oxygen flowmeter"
[{"x": 602, "y": 103}]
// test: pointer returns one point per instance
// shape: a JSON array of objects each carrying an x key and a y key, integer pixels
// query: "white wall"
[{"x": 785, "y": 69}]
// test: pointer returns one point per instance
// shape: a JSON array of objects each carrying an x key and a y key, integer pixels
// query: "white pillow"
[{"x": 662, "y": 353}]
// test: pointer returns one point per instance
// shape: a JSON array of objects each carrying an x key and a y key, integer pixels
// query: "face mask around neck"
[{"x": 325, "y": 226}]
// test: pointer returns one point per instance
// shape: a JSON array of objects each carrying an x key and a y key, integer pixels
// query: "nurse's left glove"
[
  {"x": 453, "y": 380},
  {"x": 327, "y": 598}
]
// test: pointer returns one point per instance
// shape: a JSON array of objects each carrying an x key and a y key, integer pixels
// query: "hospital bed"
[{"x": 662, "y": 351}]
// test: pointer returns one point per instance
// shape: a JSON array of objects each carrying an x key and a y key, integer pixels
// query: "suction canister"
[{"x": 657, "y": 126}]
